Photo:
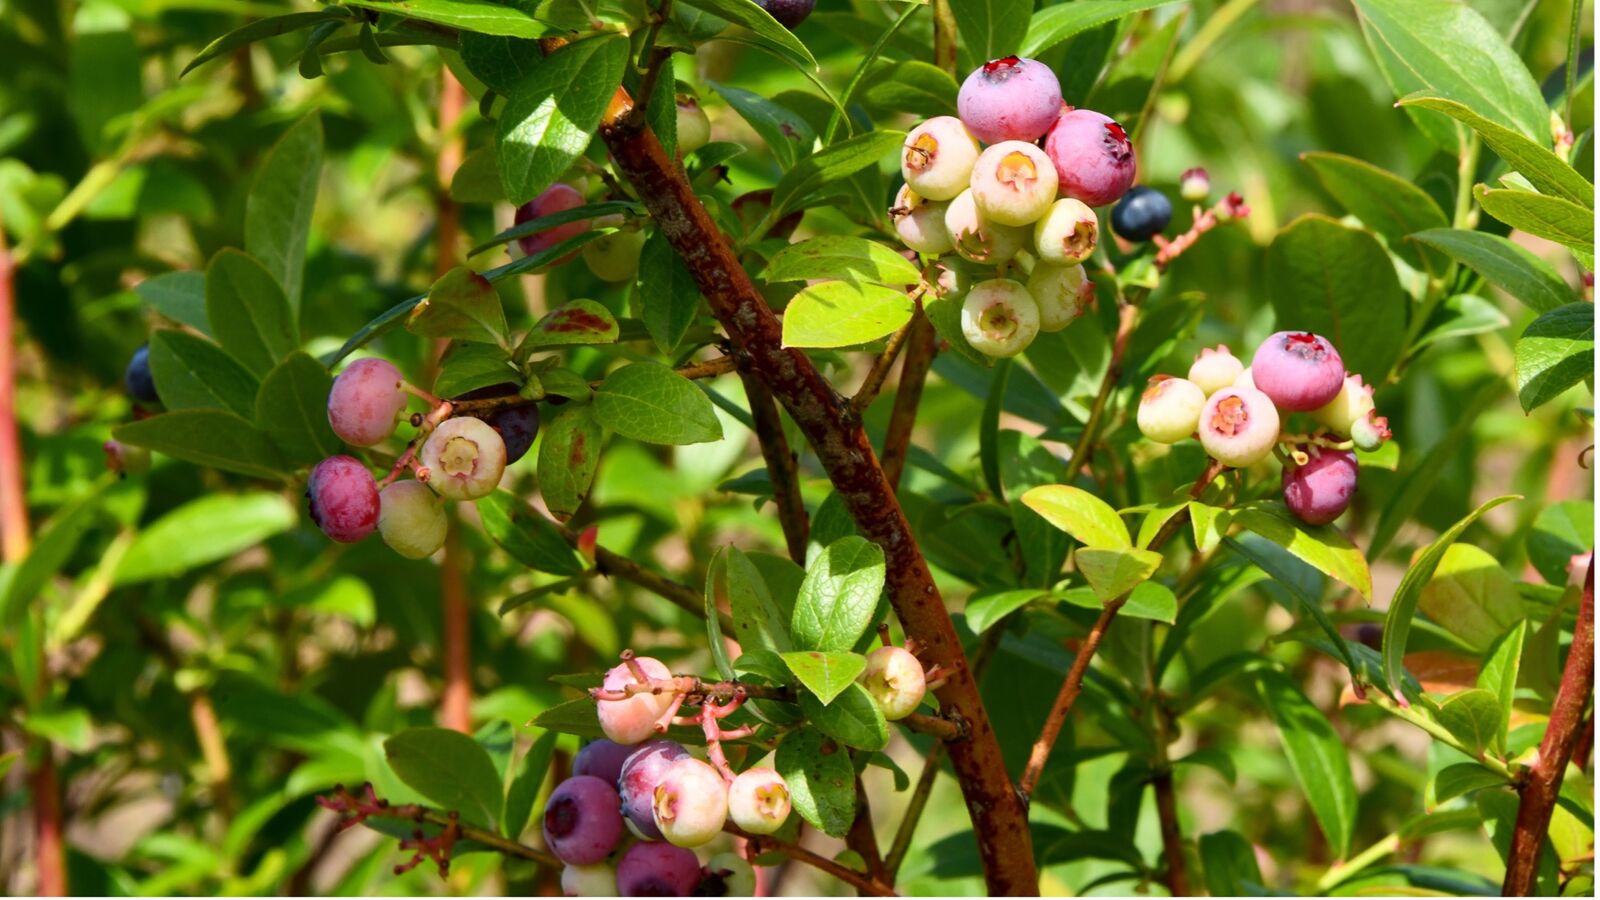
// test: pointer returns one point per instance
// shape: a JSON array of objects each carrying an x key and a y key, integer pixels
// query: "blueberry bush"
[{"x": 731, "y": 447}]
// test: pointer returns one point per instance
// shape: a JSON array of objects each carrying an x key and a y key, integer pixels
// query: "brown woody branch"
[
  {"x": 1542, "y": 784},
  {"x": 759, "y": 844},
  {"x": 783, "y": 469},
  {"x": 611, "y": 563}
]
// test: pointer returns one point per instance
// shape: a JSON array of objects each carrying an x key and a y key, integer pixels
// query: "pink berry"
[
  {"x": 920, "y": 222},
  {"x": 411, "y": 519},
  {"x": 464, "y": 458},
  {"x": 758, "y": 800},
  {"x": 1320, "y": 491},
  {"x": 1067, "y": 233},
  {"x": 632, "y": 720},
  {"x": 598, "y": 880},
  {"x": 583, "y": 820},
  {"x": 344, "y": 499},
  {"x": 937, "y": 157},
  {"x": 365, "y": 400},
  {"x": 978, "y": 238},
  {"x": 1061, "y": 292},
  {"x": 1300, "y": 371},
  {"x": 1169, "y": 409},
  {"x": 690, "y": 803},
  {"x": 1010, "y": 99},
  {"x": 1194, "y": 185},
  {"x": 556, "y": 198},
  {"x": 640, "y": 776},
  {"x": 896, "y": 680},
  {"x": 1238, "y": 426},
  {"x": 656, "y": 869},
  {"x": 1013, "y": 183},
  {"x": 1214, "y": 369},
  {"x": 1093, "y": 156},
  {"x": 603, "y": 759}
]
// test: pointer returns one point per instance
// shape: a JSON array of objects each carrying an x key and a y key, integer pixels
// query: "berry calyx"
[
  {"x": 1300, "y": 371},
  {"x": 1321, "y": 490},
  {"x": 758, "y": 800},
  {"x": 464, "y": 458},
  {"x": 1194, "y": 185},
  {"x": 411, "y": 519},
  {"x": 1141, "y": 214},
  {"x": 1238, "y": 426},
  {"x": 1169, "y": 409},
  {"x": 343, "y": 499},
  {"x": 583, "y": 820},
  {"x": 366, "y": 401}
]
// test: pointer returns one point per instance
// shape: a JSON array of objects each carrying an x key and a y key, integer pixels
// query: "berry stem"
[
  {"x": 608, "y": 562},
  {"x": 356, "y": 809},
  {"x": 1228, "y": 208}
]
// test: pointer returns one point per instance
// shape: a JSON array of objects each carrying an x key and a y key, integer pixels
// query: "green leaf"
[
  {"x": 1323, "y": 547},
  {"x": 844, "y": 314},
  {"x": 1090, "y": 520},
  {"x": 53, "y": 547},
  {"x": 277, "y": 214},
  {"x": 760, "y": 622},
  {"x": 203, "y": 531},
  {"x": 482, "y": 16},
  {"x": 477, "y": 179},
  {"x": 649, "y": 402},
  {"x": 1337, "y": 281},
  {"x": 668, "y": 297},
  {"x": 1383, "y": 201},
  {"x": 467, "y": 366},
  {"x": 717, "y": 590},
  {"x": 768, "y": 32},
  {"x": 1461, "y": 779},
  {"x": 462, "y": 305},
  {"x": 910, "y": 86},
  {"x": 248, "y": 311},
  {"x": 1532, "y": 159},
  {"x": 574, "y": 322},
  {"x": 787, "y": 134},
  {"x": 1553, "y": 218},
  {"x": 1397, "y": 622},
  {"x": 180, "y": 296},
  {"x": 839, "y": 594},
  {"x": 1560, "y": 532},
  {"x": 829, "y": 166},
  {"x": 985, "y": 609},
  {"x": 853, "y": 718},
  {"x": 1152, "y": 600},
  {"x": 525, "y": 786},
  {"x": 550, "y": 117},
  {"x": 1474, "y": 717},
  {"x": 292, "y": 408},
  {"x": 1052, "y": 25},
  {"x": 1278, "y": 569},
  {"x": 530, "y": 538},
  {"x": 569, "y": 456},
  {"x": 825, "y": 674},
  {"x": 207, "y": 437},
  {"x": 1317, "y": 755},
  {"x": 1499, "y": 676},
  {"x": 1230, "y": 863},
  {"x": 822, "y": 782},
  {"x": 450, "y": 769},
  {"x": 1449, "y": 49},
  {"x": 1505, "y": 265},
  {"x": 1114, "y": 572},
  {"x": 991, "y": 29},
  {"x": 1461, "y": 315},
  {"x": 1554, "y": 353},
  {"x": 193, "y": 373},
  {"x": 842, "y": 256},
  {"x": 1471, "y": 596},
  {"x": 71, "y": 728},
  {"x": 499, "y": 61},
  {"x": 260, "y": 30}
]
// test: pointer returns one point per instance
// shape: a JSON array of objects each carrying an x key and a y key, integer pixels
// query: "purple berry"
[
  {"x": 365, "y": 400},
  {"x": 1093, "y": 156},
  {"x": 583, "y": 820},
  {"x": 1320, "y": 491},
  {"x": 641, "y": 774},
  {"x": 344, "y": 499},
  {"x": 137, "y": 379},
  {"x": 789, "y": 13},
  {"x": 1300, "y": 371},
  {"x": 1238, "y": 426},
  {"x": 556, "y": 198},
  {"x": 656, "y": 869},
  {"x": 603, "y": 759},
  {"x": 1010, "y": 99}
]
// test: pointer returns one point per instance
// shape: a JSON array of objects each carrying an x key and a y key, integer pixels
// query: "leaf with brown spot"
[
  {"x": 578, "y": 322},
  {"x": 568, "y": 458}
]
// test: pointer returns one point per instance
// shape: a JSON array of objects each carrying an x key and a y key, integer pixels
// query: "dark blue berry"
[
  {"x": 137, "y": 379},
  {"x": 1141, "y": 214},
  {"x": 789, "y": 13}
]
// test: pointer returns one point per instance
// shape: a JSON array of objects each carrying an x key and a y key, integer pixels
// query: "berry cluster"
[
  {"x": 1027, "y": 195},
  {"x": 1237, "y": 413}
]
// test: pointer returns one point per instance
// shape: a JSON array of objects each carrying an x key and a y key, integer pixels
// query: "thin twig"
[
  {"x": 765, "y": 844},
  {"x": 652, "y": 59},
  {"x": 680, "y": 595},
  {"x": 873, "y": 383},
  {"x": 783, "y": 468},
  {"x": 1083, "y": 450},
  {"x": 1227, "y": 209},
  {"x": 863, "y": 838},
  {"x": 922, "y": 343},
  {"x": 1171, "y": 837}
]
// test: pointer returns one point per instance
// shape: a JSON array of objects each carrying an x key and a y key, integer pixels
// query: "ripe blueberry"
[
  {"x": 465, "y": 458},
  {"x": 1141, "y": 214},
  {"x": 640, "y": 775},
  {"x": 631, "y": 720},
  {"x": 1214, "y": 369},
  {"x": 896, "y": 680},
  {"x": 1320, "y": 491},
  {"x": 920, "y": 222},
  {"x": 758, "y": 800},
  {"x": 937, "y": 158},
  {"x": 344, "y": 499},
  {"x": 1238, "y": 426},
  {"x": 1093, "y": 156},
  {"x": 411, "y": 519},
  {"x": 978, "y": 238},
  {"x": 1169, "y": 409},
  {"x": 1013, "y": 183},
  {"x": 789, "y": 13},
  {"x": 365, "y": 400},
  {"x": 1300, "y": 371},
  {"x": 603, "y": 759},
  {"x": 1010, "y": 99},
  {"x": 556, "y": 198},
  {"x": 999, "y": 317},
  {"x": 656, "y": 869},
  {"x": 1061, "y": 292},
  {"x": 141, "y": 385},
  {"x": 583, "y": 820},
  {"x": 690, "y": 803},
  {"x": 1067, "y": 233}
]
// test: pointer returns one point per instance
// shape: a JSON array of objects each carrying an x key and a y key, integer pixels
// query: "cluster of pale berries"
[
  {"x": 625, "y": 822},
  {"x": 1238, "y": 413},
  {"x": 990, "y": 204},
  {"x": 460, "y": 458}
]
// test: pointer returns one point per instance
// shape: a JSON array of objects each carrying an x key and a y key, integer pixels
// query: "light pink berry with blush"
[
  {"x": 1062, "y": 294},
  {"x": 1013, "y": 183},
  {"x": 1010, "y": 99},
  {"x": 1238, "y": 426},
  {"x": 691, "y": 802},
  {"x": 1093, "y": 156},
  {"x": 633, "y": 719},
  {"x": 758, "y": 800},
  {"x": 365, "y": 401},
  {"x": 1169, "y": 409},
  {"x": 920, "y": 222},
  {"x": 937, "y": 158},
  {"x": 1299, "y": 370}
]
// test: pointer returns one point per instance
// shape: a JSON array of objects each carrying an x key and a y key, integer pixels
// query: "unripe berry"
[
  {"x": 694, "y": 129},
  {"x": 1169, "y": 409},
  {"x": 1300, "y": 371},
  {"x": 758, "y": 800},
  {"x": 1013, "y": 183},
  {"x": 1238, "y": 426},
  {"x": 583, "y": 820},
  {"x": 465, "y": 458},
  {"x": 1352, "y": 403},
  {"x": 344, "y": 499},
  {"x": 691, "y": 802},
  {"x": 633, "y": 719},
  {"x": 937, "y": 158},
  {"x": 1061, "y": 292},
  {"x": 896, "y": 680},
  {"x": 614, "y": 257},
  {"x": 1195, "y": 185},
  {"x": 365, "y": 401},
  {"x": 1245, "y": 379},
  {"x": 1141, "y": 214},
  {"x": 603, "y": 759},
  {"x": 656, "y": 869},
  {"x": 1320, "y": 491},
  {"x": 640, "y": 776},
  {"x": 978, "y": 238},
  {"x": 999, "y": 317},
  {"x": 727, "y": 875},
  {"x": 920, "y": 222},
  {"x": 411, "y": 519},
  {"x": 556, "y": 198},
  {"x": 137, "y": 379},
  {"x": 1369, "y": 432},
  {"x": 1093, "y": 156},
  {"x": 126, "y": 459},
  {"x": 598, "y": 880},
  {"x": 1214, "y": 369},
  {"x": 1010, "y": 99},
  {"x": 1067, "y": 233},
  {"x": 950, "y": 278}
]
